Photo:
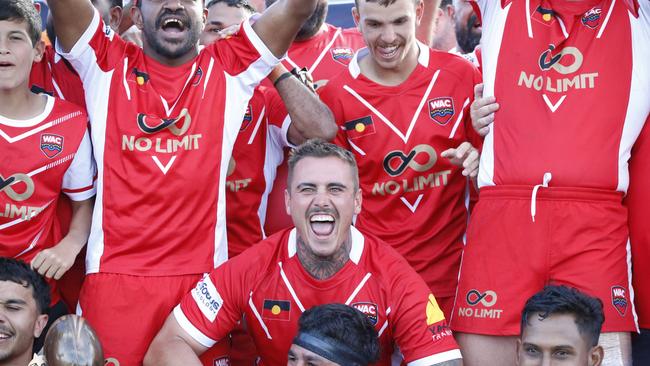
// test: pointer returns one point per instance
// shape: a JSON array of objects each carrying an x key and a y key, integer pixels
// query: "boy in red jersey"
[{"x": 45, "y": 151}]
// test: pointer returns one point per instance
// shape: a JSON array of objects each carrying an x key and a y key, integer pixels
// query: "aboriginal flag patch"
[
  {"x": 361, "y": 127},
  {"x": 277, "y": 310}
]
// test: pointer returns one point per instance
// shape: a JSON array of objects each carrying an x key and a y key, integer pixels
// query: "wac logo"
[
  {"x": 223, "y": 361},
  {"x": 591, "y": 18},
  {"x": 369, "y": 309},
  {"x": 567, "y": 61},
  {"x": 248, "y": 118},
  {"x": 342, "y": 55},
  {"x": 177, "y": 126},
  {"x": 441, "y": 110},
  {"x": 8, "y": 186},
  {"x": 396, "y": 162},
  {"x": 619, "y": 300},
  {"x": 51, "y": 144}
]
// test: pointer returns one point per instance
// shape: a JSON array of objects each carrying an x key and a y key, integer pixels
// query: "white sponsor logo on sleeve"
[{"x": 207, "y": 298}]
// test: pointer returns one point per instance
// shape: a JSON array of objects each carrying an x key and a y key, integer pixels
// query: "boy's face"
[{"x": 17, "y": 53}]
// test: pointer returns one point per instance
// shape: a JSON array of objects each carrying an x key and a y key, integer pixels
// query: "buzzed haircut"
[
  {"x": 23, "y": 11},
  {"x": 19, "y": 272},
  {"x": 554, "y": 300},
  {"x": 115, "y": 3},
  {"x": 242, "y": 4},
  {"x": 444, "y": 3},
  {"x": 317, "y": 148}
]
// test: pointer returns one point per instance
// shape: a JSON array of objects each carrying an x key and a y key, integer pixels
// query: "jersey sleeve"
[
  {"x": 79, "y": 179},
  {"x": 214, "y": 306},
  {"x": 244, "y": 55},
  {"x": 419, "y": 325},
  {"x": 98, "y": 49}
]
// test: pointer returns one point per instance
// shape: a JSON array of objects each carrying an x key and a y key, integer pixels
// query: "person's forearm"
[
  {"x": 278, "y": 25},
  {"x": 310, "y": 118},
  {"x": 82, "y": 212},
  {"x": 71, "y": 18}
]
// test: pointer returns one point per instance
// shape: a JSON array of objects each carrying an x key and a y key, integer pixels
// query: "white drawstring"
[{"x": 533, "y": 199}]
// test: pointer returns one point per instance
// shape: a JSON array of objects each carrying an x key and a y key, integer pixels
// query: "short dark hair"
[
  {"x": 17, "y": 271},
  {"x": 446, "y": 3},
  {"x": 341, "y": 325},
  {"x": 317, "y": 148},
  {"x": 23, "y": 11},
  {"x": 115, "y": 3},
  {"x": 242, "y": 4},
  {"x": 552, "y": 300},
  {"x": 384, "y": 3}
]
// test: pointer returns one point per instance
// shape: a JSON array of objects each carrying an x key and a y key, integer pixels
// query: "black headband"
[{"x": 330, "y": 349}]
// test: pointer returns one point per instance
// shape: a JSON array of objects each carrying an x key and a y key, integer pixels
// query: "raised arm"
[
  {"x": 278, "y": 25},
  {"x": 310, "y": 118},
  {"x": 72, "y": 18},
  {"x": 425, "y": 28}
]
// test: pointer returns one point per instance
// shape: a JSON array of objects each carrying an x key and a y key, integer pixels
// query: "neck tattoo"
[{"x": 322, "y": 268}]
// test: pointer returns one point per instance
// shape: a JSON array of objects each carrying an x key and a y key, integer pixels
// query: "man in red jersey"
[
  {"x": 164, "y": 119},
  {"x": 322, "y": 260},
  {"x": 46, "y": 151},
  {"x": 267, "y": 128},
  {"x": 402, "y": 109},
  {"x": 551, "y": 189}
]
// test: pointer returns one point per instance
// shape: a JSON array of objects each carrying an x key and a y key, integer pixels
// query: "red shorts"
[
  {"x": 579, "y": 239},
  {"x": 128, "y": 311}
]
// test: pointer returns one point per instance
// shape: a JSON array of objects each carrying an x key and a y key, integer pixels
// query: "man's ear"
[
  {"x": 596, "y": 355},
  {"x": 356, "y": 17},
  {"x": 116, "y": 18},
  {"x": 39, "y": 49},
  {"x": 287, "y": 201},
  {"x": 517, "y": 360},
  {"x": 39, "y": 325},
  {"x": 136, "y": 17}
]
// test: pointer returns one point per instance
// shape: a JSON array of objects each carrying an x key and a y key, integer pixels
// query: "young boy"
[{"x": 45, "y": 149}]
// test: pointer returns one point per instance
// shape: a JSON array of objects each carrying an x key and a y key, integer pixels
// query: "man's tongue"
[{"x": 322, "y": 227}]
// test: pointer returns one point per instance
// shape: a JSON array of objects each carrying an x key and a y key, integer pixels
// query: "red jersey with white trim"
[
  {"x": 572, "y": 80},
  {"x": 269, "y": 285},
  {"x": 638, "y": 203},
  {"x": 255, "y": 158},
  {"x": 162, "y": 139},
  {"x": 41, "y": 157},
  {"x": 413, "y": 199},
  {"x": 54, "y": 76},
  {"x": 326, "y": 54}
]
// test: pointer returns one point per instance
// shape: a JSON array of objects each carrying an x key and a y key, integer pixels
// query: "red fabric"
[
  {"x": 579, "y": 239},
  {"x": 217, "y": 303}
]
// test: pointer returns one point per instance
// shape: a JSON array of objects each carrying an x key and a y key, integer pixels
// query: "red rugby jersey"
[
  {"x": 56, "y": 77},
  {"x": 572, "y": 80},
  {"x": 268, "y": 284},
  {"x": 412, "y": 198},
  {"x": 41, "y": 157},
  {"x": 162, "y": 139},
  {"x": 252, "y": 170}
]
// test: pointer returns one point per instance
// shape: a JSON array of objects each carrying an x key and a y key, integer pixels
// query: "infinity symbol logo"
[
  {"x": 547, "y": 61},
  {"x": 487, "y": 299},
  {"x": 162, "y": 123},
  {"x": 6, "y": 183},
  {"x": 408, "y": 160}
]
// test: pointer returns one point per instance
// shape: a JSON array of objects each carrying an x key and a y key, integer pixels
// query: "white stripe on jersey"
[
  {"x": 491, "y": 42},
  {"x": 638, "y": 104}
]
